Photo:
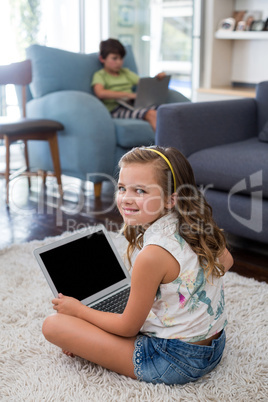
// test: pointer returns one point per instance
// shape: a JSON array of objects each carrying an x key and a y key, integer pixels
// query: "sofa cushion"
[
  {"x": 263, "y": 135},
  {"x": 222, "y": 167},
  {"x": 133, "y": 132},
  {"x": 58, "y": 70}
]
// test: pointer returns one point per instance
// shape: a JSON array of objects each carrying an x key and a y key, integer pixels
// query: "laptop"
[
  {"x": 150, "y": 91},
  {"x": 86, "y": 266}
]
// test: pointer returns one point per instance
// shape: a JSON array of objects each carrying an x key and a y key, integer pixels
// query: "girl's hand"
[{"x": 67, "y": 305}]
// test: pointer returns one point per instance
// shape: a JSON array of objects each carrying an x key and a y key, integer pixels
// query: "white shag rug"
[{"x": 31, "y": 369}]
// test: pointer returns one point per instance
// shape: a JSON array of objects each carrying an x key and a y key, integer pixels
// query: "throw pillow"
[{"x": 263, "y": 135}]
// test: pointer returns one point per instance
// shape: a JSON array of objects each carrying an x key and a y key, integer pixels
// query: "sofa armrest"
[
  {"x": 87, "y": 143},
  {"x": 175, "y": 96},
  {"x": 262, "y": 101},
  {"x": 191, "y": 127}
]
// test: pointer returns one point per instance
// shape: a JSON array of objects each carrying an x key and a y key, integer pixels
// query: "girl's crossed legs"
[{"x": 85, "y": 340}]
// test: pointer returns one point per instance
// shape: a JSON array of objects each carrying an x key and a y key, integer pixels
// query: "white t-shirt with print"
[{"x": 190, "y": 308}]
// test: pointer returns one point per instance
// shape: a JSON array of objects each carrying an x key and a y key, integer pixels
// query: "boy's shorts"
[
  {"x": 172, "y": 361},
  {"x": 122, "y": 112}
]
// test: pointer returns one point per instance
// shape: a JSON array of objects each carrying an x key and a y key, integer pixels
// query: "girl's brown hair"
[{"x": 195, "y": 223}]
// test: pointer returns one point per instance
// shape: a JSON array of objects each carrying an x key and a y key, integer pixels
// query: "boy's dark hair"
[{"x": 111, "y": 46}]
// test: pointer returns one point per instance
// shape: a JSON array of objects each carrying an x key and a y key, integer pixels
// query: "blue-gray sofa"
[
  {"x": 226, "y": 143},
  {"x": 92, "y": 142}
]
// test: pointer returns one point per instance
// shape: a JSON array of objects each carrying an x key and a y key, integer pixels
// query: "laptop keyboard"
[{"x": 115, "y": 303}]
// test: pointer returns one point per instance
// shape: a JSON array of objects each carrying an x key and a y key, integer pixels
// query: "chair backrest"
[
  {"x": 59, "y": 70},
  {"x": 17, "y": 74}
]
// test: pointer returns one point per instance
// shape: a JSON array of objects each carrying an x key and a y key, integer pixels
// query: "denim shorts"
[{"x": 172, "y": 361}]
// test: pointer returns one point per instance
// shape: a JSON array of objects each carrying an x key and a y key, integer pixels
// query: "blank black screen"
[{"x": 83, "y": 267}]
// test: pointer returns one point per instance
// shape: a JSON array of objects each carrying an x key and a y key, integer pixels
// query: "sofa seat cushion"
[
  {"x": 224, "y": 166},
  {"x": 133, "y": 133}
]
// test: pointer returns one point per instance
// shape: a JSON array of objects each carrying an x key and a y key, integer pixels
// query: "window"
[
  {"x": 160, "y": 32},
  {"x": 59, "y": 25},
  {"x": 171, "y": 43}
]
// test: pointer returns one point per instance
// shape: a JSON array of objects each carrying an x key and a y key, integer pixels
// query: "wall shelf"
[
  {"x": 241, "y": 35},
  {"x": 230, "y": 91},
  {"x": 238, "y": 57}
]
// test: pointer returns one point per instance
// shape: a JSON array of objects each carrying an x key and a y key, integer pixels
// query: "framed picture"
[
  {"x": 126, "y": 16},
  {"x": 257, "y": 25},
  {"x": 239, "y": 16},
  {"x": 251, "y": 16}
]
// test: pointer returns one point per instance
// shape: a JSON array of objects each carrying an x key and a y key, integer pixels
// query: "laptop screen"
[{"x": 84, "y": 266}]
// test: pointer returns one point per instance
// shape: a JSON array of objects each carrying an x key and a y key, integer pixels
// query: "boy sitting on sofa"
[{"x": 114, "y": 82}]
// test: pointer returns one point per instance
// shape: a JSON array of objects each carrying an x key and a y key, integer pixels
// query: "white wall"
[{"x": 250, "y": 57}]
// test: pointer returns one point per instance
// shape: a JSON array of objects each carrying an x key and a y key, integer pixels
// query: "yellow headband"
[{"x": 169, "y": 164}]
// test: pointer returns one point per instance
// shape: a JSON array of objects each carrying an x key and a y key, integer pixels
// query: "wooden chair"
[{"x": 25, "y": 129}]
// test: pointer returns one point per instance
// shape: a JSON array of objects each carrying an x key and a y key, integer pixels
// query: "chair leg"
[
  {"x": 7, "y": 173},
  {"x": 43, "y": 175},
  {"x": 54, "y": 149},
  {"x": 27, "y": 161},
  {"x": 97, "y": 189}
]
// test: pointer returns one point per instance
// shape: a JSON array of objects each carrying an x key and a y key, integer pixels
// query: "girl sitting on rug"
[{"x": 172, "y": 329}]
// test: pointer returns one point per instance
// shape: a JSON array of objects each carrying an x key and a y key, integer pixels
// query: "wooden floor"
[{"x": 35, "y": 215}]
